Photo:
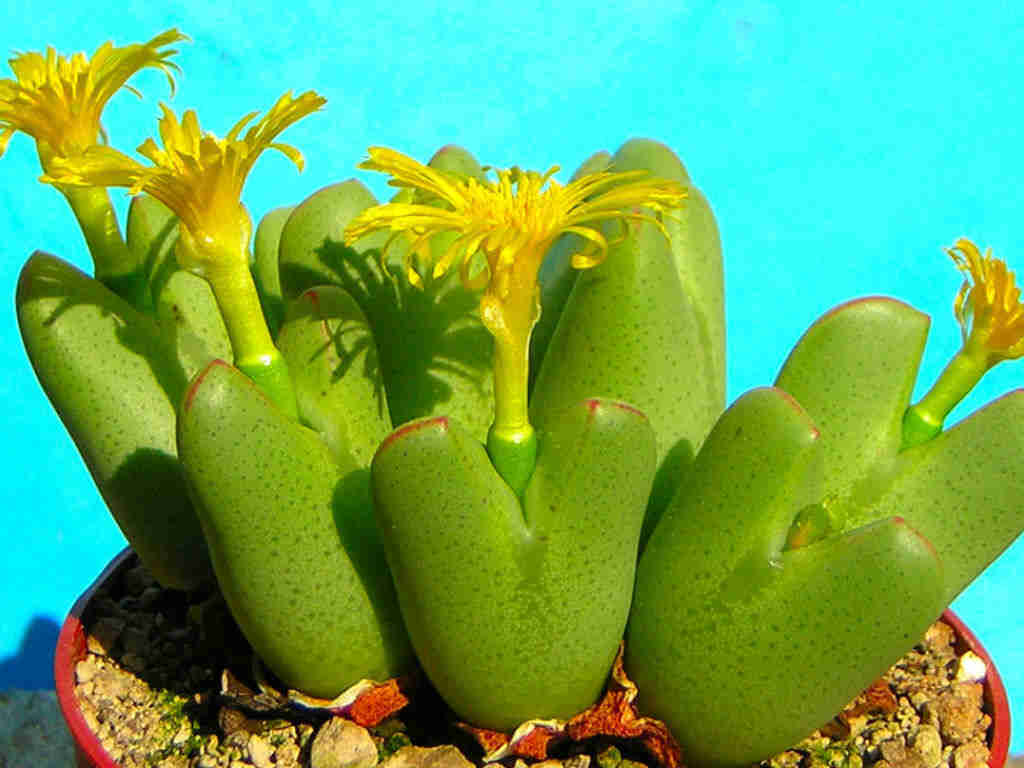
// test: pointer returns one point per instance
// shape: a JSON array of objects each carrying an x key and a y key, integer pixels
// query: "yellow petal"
[
  {"x": 988, "y": 305},
  {"x": 58, "y": 100},
  {"x": 197, "y": 175},
  {"x": 512, "y": 222}
]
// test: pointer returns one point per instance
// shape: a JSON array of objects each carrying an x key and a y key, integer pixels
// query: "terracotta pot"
[
  {"x": 71, "y": 648},
  {"x": 996, "y": 702}
]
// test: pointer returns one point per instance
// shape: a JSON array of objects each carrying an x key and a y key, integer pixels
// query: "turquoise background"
[{"x": 840, "y": 144}]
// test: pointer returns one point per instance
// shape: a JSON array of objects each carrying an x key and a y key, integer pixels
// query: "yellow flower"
[
  {"x": 512, "y": 222},
  {"x": 197, "y": 175},
  {"x": 988, "y": 305},
  {"x": 58, "y": 100},
  {"x": 991, "y": 319}
]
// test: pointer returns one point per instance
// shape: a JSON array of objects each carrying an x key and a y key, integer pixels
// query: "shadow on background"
[{"x": 32, "y": 667}]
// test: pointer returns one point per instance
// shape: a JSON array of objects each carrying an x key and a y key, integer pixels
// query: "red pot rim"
[
  {"x": 995, "y": 693},
  {"x": 71, "y": 648}
]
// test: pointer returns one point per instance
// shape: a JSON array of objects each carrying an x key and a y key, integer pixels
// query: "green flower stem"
[
  {"x": 113, "y": 262},
  {"x": 514, "y": 455},
  {"x": 924, "y": 420},
  {"x": 511, "y": 441},
  {"x": 254, "y": 350}
]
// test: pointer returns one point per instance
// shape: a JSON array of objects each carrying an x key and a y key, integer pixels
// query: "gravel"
[{"x": 163, "y": 653}]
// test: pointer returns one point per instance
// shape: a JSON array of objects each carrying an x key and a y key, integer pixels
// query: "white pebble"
[{"x": 971, "y": 668}]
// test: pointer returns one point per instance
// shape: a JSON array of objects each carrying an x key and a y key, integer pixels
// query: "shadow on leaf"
[
  {"x": 48, "y": 277},
  {"x": 427, "y": 338},
  {"x": 358, "y": 535}
]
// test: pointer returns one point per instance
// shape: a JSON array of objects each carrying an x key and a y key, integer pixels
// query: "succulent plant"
[
  {"x": 482, "y": 427},
  {"x": 825, "y": 518}
]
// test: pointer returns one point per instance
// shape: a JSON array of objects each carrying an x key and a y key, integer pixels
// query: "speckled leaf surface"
[
  {"x": 853, "y": 371},
  {"x": 266, "y": 264},
  {"x": 697, "y": 249},
  {"x": 184, "y": 304},
  {"x": 516, "y": 611},
  {"x": 435, "y": 355},
  {"x": 332, "y": 357},
  {"x": 556, "y": 276},
  {"x": 964, "y": 490},
  {"x": 745, "y": 676},
  {"x": 311, "y": 252},
  {"x": 646, "y": 326},
  {"x": 733, "y": 641},
  {"x": 115, "y": 382},
  {"x": 292, "y": 539},
  {"x": 628, "y": 333},
  {"x": 452, "y": 158},
  {"x": 760, "y": 465}
]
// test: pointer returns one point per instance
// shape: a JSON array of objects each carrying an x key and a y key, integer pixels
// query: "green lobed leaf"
[
  {"x": 435, "y": 355},
  {"x": 962, "y": 490},
  {"x": 697, "y": 249},
  {"x": 760, "y": 465},
  {"x": 743, "y": 677},
  {"x": 452, "y": 158},
  {"x": 556, "y": 276},
  {"x": 733, "y": 641},
  {"x": 646, "y": 326},
  {"x": 332, "y": 357},
  {"x": 628, "y": 333},
  {"x": 516, "y": 612},
  {"x": 184, "y": 304},
  {"x": 854, "y": 371},
  {"x": 114, "y": 380},
  {"x": 311, "y": 251},
  {"x": 292, "y": 538},
  {"x": 265, "y": 265}
]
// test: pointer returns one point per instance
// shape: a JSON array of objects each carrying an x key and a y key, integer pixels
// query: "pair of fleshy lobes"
[{"x": 764, "y": 564}]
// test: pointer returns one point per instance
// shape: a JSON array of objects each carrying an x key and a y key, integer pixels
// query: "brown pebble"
[
  {"x": 287, "y": 755},
  {"x": 183, "y": 734},
  {"x": 447, "y": 756},
  {"x": 895, "y": 752},
  {"x": 260, "y": 752},
  {"x": 138, "y": 693},
  {"x": 342, "y": 744},
  {"x": 928, "y": 744},
  {"x": 89, "y": 715},
  {"x": 939, "y": 639},
  {"x": 86, "y": 669},
  {"x": 104, "y": 633},
  {"x": 107, "y": 607},
  {"x": 111, "y": 684},
  {"x": 144, "y": 622},
  {"x": 957, "y": 713},
  {"x": 973, "y": 754}
]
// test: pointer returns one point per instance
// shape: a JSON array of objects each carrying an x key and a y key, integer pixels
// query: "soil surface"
[{"x": 169, "y": 681}]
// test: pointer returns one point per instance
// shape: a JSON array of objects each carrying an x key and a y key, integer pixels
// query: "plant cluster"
[{"x": 481, "y": 427}]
